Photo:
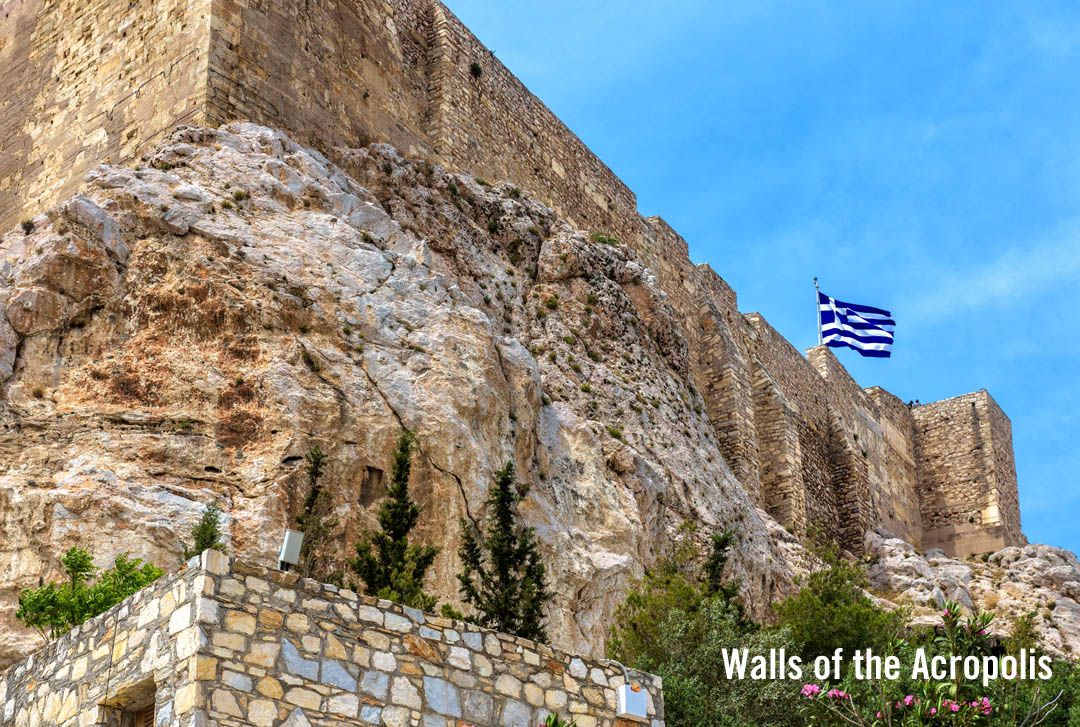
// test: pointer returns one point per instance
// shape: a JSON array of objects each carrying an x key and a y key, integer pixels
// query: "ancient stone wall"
[
  {"x": 800, "y": 387},
  {"x": 897, "y": 487},
  {"x": 804, "y": 439},
  {"x": 228, "y": 643},
  {"x": 333, "y": 74},
  {"x": 493, "y": 126},
  {"x": 103, "y": 80},
  {"x": 88, "y": 80},
  {"x": 715, "y": 332},
  {"x": 967, "y": 479}
]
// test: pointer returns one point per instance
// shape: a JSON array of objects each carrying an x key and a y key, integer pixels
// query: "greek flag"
[{"x": 866, "y": 329}]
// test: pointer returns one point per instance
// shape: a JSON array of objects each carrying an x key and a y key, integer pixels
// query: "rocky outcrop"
[
  {"x": 1013, "y": 582},
  {"x": 186, "y": 331}
]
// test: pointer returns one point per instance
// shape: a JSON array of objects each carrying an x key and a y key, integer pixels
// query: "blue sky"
[{"x": 918, "y": 156}]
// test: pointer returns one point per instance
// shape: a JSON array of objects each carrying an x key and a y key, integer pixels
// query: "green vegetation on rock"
[{"x": 56, "y": 608}]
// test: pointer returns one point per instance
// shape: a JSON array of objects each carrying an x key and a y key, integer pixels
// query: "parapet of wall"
[
  {"x": 967, "y": 478},
  {"x": 232, "y": 644},
  {"x": 85, "y": 81}
]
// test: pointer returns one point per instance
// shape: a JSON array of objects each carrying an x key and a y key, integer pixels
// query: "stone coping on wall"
[{"x": 243, "y": 644}]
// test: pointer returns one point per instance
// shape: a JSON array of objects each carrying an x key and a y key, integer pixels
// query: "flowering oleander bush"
[
  {"x": 957, "y": 702},
  {"x": 678, "y": 621}
]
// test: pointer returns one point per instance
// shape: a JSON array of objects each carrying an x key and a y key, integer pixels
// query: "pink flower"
[
  {"x": 933, "y": 710},
  {"x": 810, "y": 690},
  {"x": 909, "y": 700}
]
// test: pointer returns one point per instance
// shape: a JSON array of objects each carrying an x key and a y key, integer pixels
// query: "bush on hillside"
[
  {"x": 502, "y": 575},
  {"x": 677, "y": 623},
  {"x": 832, "y": 610},
  {"x": 206, "y": 534}
]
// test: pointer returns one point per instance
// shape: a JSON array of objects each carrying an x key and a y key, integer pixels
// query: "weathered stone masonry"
[
  {"x": 104, "y": 80},
  {"x": 227, "y": 643}
]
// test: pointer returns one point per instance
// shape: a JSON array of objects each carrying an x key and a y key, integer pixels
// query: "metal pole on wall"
[{"x": 817, "y": 310}]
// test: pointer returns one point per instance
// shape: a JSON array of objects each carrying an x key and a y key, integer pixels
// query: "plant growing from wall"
[
  {"x": 56, "y": 608},
  {"x": 502, "y": 573},
  {"x": 206, "y": 534},
  {"x": 389, "y": 566},
  {"x": 317, "y": 524}
]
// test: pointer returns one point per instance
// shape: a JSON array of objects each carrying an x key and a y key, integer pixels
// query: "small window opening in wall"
[
  {"x": 131, "y": 705},
  {"x": 143, "y": 717}
]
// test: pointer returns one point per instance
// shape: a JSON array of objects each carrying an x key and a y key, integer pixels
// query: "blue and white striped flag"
[{"x": 866, "y": 329}]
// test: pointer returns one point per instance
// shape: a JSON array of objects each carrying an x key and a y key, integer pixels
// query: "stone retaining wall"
[{"x": 233, "y": 644}]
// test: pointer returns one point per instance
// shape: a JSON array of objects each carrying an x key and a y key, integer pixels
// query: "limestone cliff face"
[
  {"x": 1037, "y": 580},
  {"x": 186, "y": 331}
]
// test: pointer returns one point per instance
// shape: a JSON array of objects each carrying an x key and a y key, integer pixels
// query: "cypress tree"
[
  {"x": 387, "y": 564},
  {"x": 317, "y": 524},
  {"x": 502, "y": 573},
  {"x": 207, "y": 533}
]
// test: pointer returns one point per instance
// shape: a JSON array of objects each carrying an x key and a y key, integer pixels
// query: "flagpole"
[{"x": 817, "y": 309}]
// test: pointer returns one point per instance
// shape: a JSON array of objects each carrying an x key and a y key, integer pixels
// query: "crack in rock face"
[{"x": 185, "y": 331}]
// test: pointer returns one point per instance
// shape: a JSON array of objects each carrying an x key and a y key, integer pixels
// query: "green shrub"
[
  {"x": 56, "y": 608},
  {"x": 308, "y": 359},
  {"x": 677, "y": 622},
  {"x": 317, "y": 524},
  {"x": 553, "y": 720},
  {"x": 831, "y": 609}
]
